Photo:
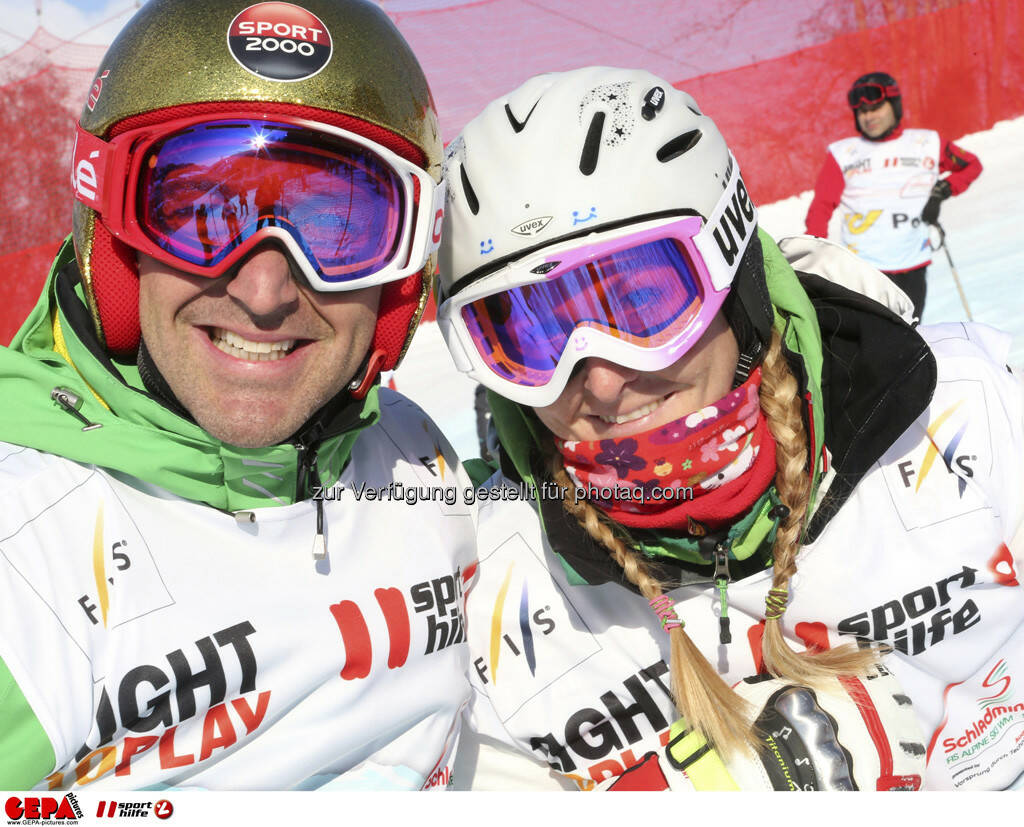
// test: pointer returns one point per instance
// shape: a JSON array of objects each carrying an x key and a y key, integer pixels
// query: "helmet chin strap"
[
  {"x": 749, "y": 312},
  {"x": 749, "y": 359},
  {"x": 367, "y": 374}
]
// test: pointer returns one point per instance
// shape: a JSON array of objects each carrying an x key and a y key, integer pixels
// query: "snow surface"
[{"x": 985, "y": 237}]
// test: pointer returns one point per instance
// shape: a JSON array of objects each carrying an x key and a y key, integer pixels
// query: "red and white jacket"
[{"x": 881, "y": 187}]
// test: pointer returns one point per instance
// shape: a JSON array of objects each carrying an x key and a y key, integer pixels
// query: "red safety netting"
[{"x": 772, "y": 75}]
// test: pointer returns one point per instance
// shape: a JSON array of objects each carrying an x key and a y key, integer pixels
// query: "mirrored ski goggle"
[
  {"x": 199, "y": 194},
  {"x": 870, "y": 94},
  {"x": 639, "y": 296}
]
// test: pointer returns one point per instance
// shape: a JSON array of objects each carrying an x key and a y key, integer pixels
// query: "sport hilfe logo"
[
  {"x": 135, "y": 809},
  {"x": 279, "y": 41}
]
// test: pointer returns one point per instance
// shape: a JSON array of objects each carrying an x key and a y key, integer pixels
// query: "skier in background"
[{"x": 887, "y": 184}]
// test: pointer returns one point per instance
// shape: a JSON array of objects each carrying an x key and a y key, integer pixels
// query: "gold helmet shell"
[{"x": 176, "y": 53}]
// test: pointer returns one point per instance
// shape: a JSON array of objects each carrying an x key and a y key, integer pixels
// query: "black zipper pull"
[
  {"x": 320, "y": 540},
  {"x": 306, "y": 447},
  {"x": 722, "y": 579}
]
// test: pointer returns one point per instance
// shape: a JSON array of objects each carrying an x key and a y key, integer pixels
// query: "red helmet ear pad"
[
  {"x": 114, "y": 268},
  {"x": 115, "y": 290}
]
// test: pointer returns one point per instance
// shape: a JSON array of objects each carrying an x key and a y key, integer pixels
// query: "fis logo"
[
  {"x": 958, "y": 464},
  {"x": 44, "y": 808},
  {"x": 529, "y": 619},
  {"x": 436, "y": 603}
]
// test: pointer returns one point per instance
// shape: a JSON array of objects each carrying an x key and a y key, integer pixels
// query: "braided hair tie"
[
  {"x": 775, "y": 602},
  {"x": 665, "y": 610}
]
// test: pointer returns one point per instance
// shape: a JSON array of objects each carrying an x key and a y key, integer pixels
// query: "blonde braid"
[
  {"x": 780, "y": 401},
  {"x": 701, "y": 696}
]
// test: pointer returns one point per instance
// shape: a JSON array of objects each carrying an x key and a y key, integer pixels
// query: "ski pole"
[{"x": 956, "y": 276}]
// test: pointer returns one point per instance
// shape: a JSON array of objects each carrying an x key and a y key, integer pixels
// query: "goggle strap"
[
  {"x": 90, "y": 160},
  {"x": 744, "y": 365},
  {"x": 436, "y": 217},
  {"x": 723, "y": 239}
]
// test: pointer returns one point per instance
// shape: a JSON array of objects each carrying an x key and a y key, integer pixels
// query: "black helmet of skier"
[{"x": 874, "y": 88}]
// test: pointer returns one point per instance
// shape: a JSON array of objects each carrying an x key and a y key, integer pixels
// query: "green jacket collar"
[{"x": 140, "y": 436}]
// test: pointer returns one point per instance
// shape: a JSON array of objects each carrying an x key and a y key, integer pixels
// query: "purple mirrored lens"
[
  {"x": 209, "y": 188},
  {"x": 644, "y": 295}
]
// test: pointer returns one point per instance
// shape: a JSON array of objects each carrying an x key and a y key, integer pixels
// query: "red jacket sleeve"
[
  {"x": 827, "y": 192},
  {"x": 963, "y": 167}
]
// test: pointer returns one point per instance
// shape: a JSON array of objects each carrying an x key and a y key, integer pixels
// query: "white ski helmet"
[{"x": 572, "y": 153}]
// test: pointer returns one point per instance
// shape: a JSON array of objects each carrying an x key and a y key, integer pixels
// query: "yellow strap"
[
  {"x": 689, "y": 751},
  {"x": 61, "y": 347}
]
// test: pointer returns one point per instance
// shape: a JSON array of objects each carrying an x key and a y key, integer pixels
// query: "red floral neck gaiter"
[{"x": 710, "y": 465}]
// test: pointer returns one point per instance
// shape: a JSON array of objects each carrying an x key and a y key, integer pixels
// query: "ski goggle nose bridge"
[{"x": 199, "y": 194}]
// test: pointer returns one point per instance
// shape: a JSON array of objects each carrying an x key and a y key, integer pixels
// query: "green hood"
[
  {"x": 139, "y": 435},
  {"x": 521, "y": 434}
]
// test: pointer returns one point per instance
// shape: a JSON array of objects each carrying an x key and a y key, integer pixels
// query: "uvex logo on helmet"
[
  {"x": 736, "y": 221},
  {"x": 532, "y": 226},
  {"x": 279, "y": 41}
]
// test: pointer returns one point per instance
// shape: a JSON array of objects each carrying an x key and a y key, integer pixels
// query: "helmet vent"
[
  {"x": 471, "y": 199},
  {"x": 588, "y": 160},
  {"x": 679, "y": 145}
]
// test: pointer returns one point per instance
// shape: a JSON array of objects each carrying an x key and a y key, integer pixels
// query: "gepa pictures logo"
[{"x": 43, "y": 808}]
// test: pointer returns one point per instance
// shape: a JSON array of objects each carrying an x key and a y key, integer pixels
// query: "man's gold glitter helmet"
[{"x": 336, "y": 62}]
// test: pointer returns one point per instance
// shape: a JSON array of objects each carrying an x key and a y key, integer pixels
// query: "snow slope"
[{"x": 985, "y": 236}]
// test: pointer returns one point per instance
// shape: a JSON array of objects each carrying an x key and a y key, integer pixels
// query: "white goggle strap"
[
  {"x": 722, "y": 240},
  {"x": 436, "y": 214}
]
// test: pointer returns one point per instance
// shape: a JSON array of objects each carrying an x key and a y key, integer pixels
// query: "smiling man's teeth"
[
  {"x": 639, "y": 412},
  {"x": 241, "y": 348}
]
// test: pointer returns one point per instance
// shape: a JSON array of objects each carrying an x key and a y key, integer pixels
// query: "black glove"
[{"x": 940, "y": 192}]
